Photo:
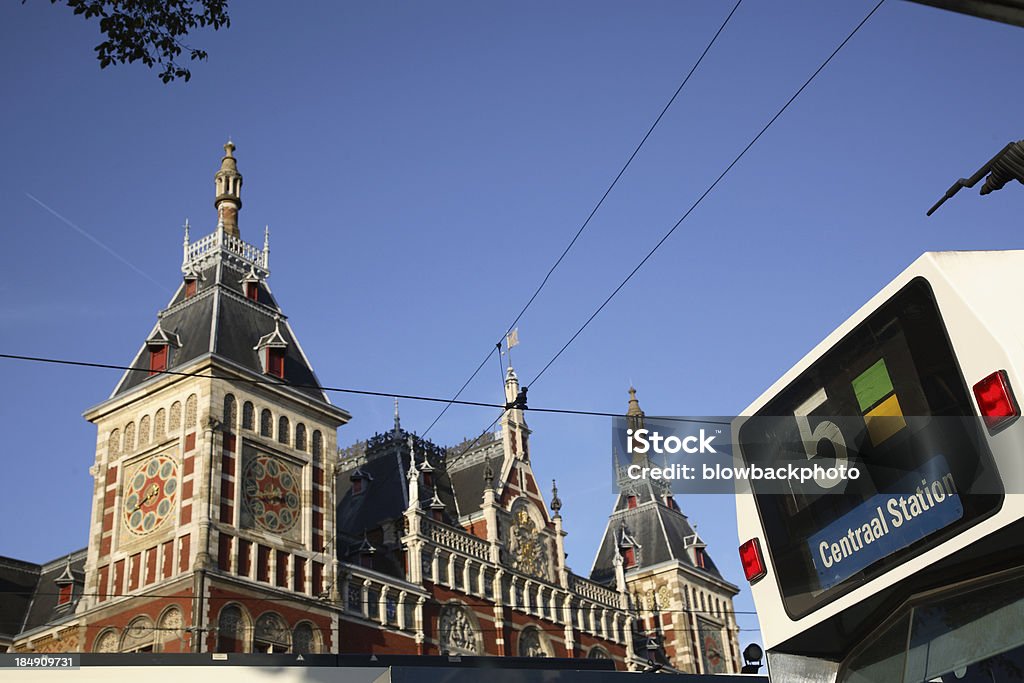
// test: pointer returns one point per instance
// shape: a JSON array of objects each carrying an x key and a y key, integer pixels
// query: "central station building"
[{"x": 225, "y": 518}]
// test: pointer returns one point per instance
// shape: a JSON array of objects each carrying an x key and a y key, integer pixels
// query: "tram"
[{"x": 913, "y": 571}]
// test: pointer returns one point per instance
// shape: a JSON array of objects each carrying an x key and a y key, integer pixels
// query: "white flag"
[{"x": 512, "y": 338}]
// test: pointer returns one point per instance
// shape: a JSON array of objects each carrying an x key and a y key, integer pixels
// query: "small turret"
[{"x": 228, "y": 200}]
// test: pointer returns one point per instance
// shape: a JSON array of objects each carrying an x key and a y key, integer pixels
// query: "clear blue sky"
[{"x": 422, "y": 164}]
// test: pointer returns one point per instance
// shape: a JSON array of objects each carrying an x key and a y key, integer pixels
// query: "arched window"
[
  {"x": 129, "y": 437},
  {"x": 318, "y": 443},
  {"x": 300, "y": 436},
  {"x": 598, "y": 652},
  {"x": 144, "y": 430},
  {"x": 171, "y": 629},
  {"x": 230, "y": 413},
  {"x": 304, "y": 639},
  {"x": 174, "y": 421},
  {"x": 191, "y": 411},
  {"x": 271, "y": 634},
  {"x": 248, "y": 416},
  {"x": 231, "y": 630},
  {"x": 139, "y": 636},
  {"x": 160, "y": 425},
  {"x": 114, "y": 444},
  {"x": 283, "y": 430},
  {"x": 266, "y": 422},
  {"x": 106, "y": 641},
  {"x": 531, "y": 643}
]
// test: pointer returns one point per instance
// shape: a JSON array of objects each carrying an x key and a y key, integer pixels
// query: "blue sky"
[{"x": 421, "y": 165}]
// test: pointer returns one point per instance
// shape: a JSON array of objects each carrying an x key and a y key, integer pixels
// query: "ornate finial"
[
  {"x": 398, "y": 421},
  {"x": 556, "y": 502},
  {"x": 229, "y": 147},
  {"x": 266, "y": 247}
]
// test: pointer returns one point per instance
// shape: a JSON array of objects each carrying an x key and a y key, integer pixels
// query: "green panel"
[{"x": 872, "y": 385}]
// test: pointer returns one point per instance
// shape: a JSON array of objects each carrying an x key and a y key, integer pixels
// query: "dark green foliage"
[{"x": 151, "y": 31}]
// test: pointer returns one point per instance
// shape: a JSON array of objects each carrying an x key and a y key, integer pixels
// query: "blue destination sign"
[{"x": 886, "y": 522}]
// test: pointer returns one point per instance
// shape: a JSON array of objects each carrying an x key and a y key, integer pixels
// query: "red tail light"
[
  {"x": 752, "y": 560},
  {"x": 995, "y": 400}
]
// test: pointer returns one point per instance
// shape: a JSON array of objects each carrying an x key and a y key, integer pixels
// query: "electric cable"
[{"x": 593, "y": 211}]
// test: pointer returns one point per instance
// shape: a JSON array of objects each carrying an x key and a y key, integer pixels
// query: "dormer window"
[
  {"x": 157, "y": 358},
  {"x": 700, "y": 558},
  {"x": 275, "y": 362},
  {"x": 271, "y": 349},
  {"x": 628, "y": 557},
  {"x": 359, "y": 481},
  {"x": 631, "y": 502},
  {"x": 251, "y": 285},
  {"x": 158, "y": 347},
  {"x": 65, "y": 585},
  {"x": 366, "y": 552},
  {"x": 190, "y": 287}
]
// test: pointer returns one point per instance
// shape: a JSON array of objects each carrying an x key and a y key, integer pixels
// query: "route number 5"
[{"x": 824, "y": 430}]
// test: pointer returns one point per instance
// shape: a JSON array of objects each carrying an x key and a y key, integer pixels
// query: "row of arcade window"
[
  {"x": 270, "y": 633},
  {"x": 303, "y": 441}
]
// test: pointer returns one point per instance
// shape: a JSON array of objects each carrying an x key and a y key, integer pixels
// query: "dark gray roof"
[
  {"x": 383, "y": 461},
  {"x": 660, "y": 532},
  {"x": 18, "y": 581},
  {"x": 218, "y": 319},
  {"x": 30, "y": 592}
]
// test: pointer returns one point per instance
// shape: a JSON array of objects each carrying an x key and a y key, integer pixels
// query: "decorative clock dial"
[
  {"x": 150, "y": 495},
  {"x": 712, "y": 647},
  {"x": 271, "y": 493}
]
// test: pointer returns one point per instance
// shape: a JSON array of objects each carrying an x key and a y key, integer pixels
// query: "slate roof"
[
  {"x": 655, "y": 523},
  {"x": 218, "y": 319},
  {"x": 662, "y": 534},
  {"x": 384, "y": 462},
  {"x": 30, "y": 592}
]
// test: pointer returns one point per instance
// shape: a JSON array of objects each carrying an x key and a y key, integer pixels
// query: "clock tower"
[{"x": 212, "y": 517}]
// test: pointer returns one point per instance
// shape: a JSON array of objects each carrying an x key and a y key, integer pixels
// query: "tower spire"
[
  {"x": 228, "y": 183},
  {"x": 634, "y": 415}
]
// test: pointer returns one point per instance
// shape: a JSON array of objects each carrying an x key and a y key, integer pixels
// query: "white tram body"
[{"x": 840, "y": 595}]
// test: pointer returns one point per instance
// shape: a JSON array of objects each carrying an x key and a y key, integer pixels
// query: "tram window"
[{"x": 889, "y": 398}]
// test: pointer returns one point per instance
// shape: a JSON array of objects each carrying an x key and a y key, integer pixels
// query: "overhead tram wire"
[
  {"x": 706, "y": 192},
  {"x": 593, "y": 212},
  {"x": 280, "y": 383}
]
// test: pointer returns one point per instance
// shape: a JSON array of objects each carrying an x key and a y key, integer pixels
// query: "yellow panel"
[{"x": 885, "y": 420}]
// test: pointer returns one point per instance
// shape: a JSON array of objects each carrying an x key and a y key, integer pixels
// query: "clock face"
[
  {"x": 271, "y": 493},
  {"x": 150, "y": 495},
  {"x": 712, "y": 648}
]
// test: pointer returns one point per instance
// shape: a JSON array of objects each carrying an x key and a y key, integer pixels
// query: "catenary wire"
[
  {"x": 593, "y": 211},
  {"x": 706, "y": 192},
  {"x": 362, "y": 392}
]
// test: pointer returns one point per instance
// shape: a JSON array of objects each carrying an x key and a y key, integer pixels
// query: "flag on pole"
[{"x": 512, "y": 338}]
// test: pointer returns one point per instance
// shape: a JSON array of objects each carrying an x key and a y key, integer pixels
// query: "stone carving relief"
[
  {"x": 527, "y": 551},
  {"x": 458, "y": 636},
  {"x": 530, "y": 644}
]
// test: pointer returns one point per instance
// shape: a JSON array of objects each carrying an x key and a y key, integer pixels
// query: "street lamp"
[{"x": 752, "y": 655}]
